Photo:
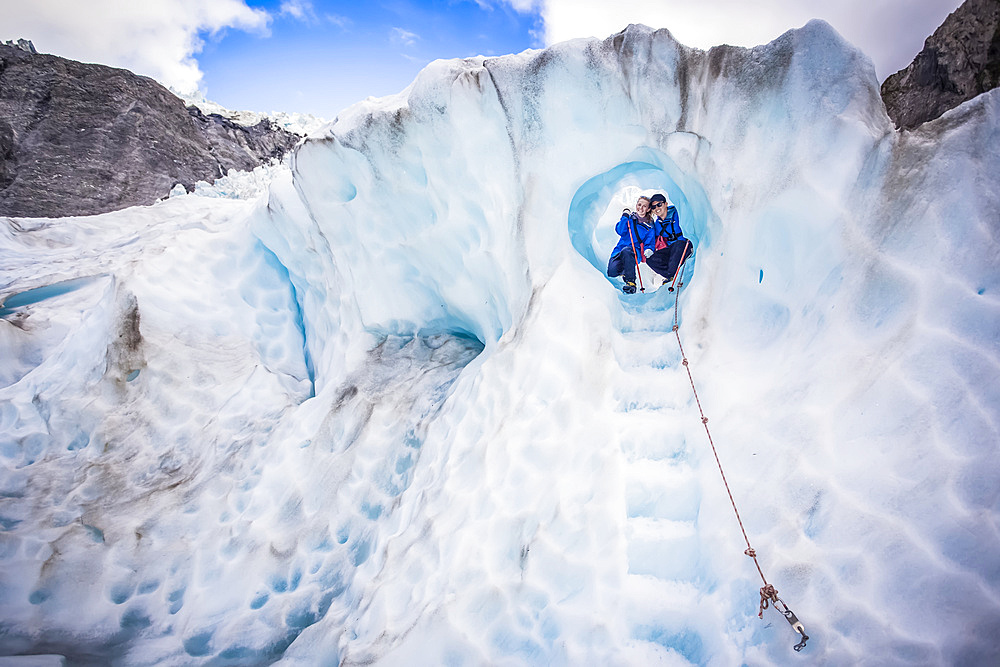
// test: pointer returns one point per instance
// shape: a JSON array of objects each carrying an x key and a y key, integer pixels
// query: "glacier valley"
[{"x": 391, "y": 411}]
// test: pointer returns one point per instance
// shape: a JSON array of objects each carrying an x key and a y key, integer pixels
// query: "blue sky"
[
  {"x": 337, "y": 53},
  {"x": 320, "y": 56}
]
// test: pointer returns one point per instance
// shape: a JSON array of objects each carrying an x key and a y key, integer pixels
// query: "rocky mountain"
[
  {"x": 958, "y": 62},
  {"x": 80, "y": 139}
]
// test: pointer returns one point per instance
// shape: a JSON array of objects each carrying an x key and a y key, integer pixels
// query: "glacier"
[{"x": 391, "y": 411}]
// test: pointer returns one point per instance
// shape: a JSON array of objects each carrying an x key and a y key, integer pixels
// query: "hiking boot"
[{"x": 628, "y": 288}]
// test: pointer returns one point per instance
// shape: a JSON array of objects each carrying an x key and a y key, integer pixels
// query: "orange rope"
[{"x": 767, "y": 592}]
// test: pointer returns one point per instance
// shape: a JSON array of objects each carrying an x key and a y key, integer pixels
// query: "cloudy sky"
[{"x": 319, "y": 56}]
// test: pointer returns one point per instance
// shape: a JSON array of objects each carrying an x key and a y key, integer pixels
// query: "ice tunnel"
[{"x": 597, "y": 204}]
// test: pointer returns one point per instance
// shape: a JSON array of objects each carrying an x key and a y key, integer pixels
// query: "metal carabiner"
[{"x": 797, "y": 626}]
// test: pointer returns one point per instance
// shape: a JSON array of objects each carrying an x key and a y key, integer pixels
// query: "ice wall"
[
  {"x": 397, "y": 414},
  {"x": 813, "y": 338}
]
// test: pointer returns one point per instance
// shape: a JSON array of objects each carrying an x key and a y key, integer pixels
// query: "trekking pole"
[
  {"x": 680, "y": 266},
  {"x": 635, "y": 255}
]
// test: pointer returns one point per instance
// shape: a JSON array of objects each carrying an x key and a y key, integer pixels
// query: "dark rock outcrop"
[
  {"x": 235, "y": 144},
  {"x": 958, "y": 62},
  {"x": 80, "y": 139},
  {"x": 23, "y": 44}
]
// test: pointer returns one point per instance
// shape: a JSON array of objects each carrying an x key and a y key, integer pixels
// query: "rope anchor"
[
  {"x": 797, "y": 626},
  {"x": 768, "y": 594}
]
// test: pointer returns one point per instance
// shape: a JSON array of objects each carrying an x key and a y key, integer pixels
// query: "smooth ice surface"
[{"x": 391, "y": 411}]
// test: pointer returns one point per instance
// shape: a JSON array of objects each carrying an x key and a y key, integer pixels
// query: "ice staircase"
[{"x": 665, "y": 577}]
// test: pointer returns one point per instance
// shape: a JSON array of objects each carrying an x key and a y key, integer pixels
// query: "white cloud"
[
  {"x": 157, "y": 38},
  {"x": 340, "y": 21},
  {"x": 890, "y": 32},
  {"x": 525, "y": 6},
  {"x": 298, "y": 9},
  {"x": 404, "y": 37}
]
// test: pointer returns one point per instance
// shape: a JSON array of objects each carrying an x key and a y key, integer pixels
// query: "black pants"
[
  {"x": 666, "y": 260},
  {"x": 622, "y": 264}
]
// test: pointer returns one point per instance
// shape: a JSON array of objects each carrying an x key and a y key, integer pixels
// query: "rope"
[{"x": 768, "y": 593}]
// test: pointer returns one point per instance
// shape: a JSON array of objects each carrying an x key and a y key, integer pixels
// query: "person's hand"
[{"x": 648, "y": 252}]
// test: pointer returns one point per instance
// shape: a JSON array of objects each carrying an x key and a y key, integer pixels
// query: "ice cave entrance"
[{"x": 598, "y": 203}]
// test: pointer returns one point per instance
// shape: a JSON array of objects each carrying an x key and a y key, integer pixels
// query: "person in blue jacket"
[
  {"x": 667, "y": 230},
  {"x": 637, "y": 240}
]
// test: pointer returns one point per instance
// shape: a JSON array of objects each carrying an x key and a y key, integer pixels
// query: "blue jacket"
[
  {"x": 669, "y": 226},
  {"x": 642, "y": 233}
]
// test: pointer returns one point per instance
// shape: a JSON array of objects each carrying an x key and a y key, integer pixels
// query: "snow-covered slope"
[
  {"x": 395, "y": 413},
  {"x": 294, "y": 122}
]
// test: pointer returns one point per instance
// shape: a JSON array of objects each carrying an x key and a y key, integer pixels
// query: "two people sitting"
[{"x": 651, "y": 234}]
